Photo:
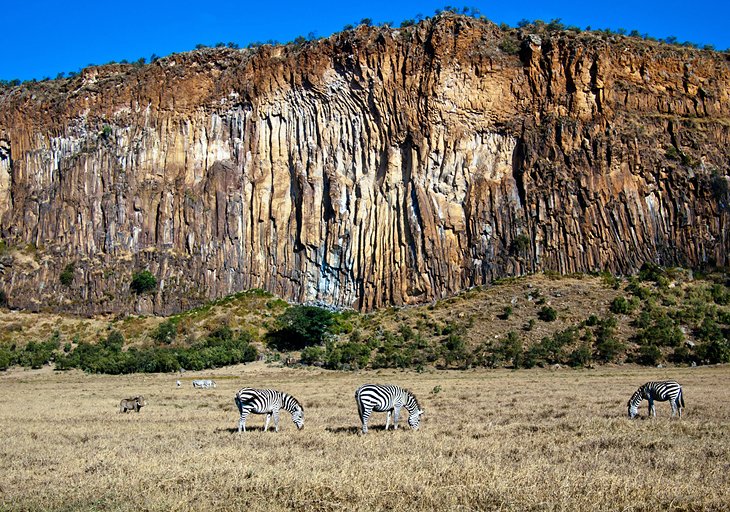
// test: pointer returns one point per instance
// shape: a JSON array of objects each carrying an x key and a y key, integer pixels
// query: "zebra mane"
[
  {"x": 286, "y": 397},
  {"x": 413, "y": 396}
]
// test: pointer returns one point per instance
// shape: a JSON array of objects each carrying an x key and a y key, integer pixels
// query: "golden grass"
[{"x": 525, "y": 440}]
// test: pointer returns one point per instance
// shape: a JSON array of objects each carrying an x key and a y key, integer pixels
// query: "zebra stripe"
[
  {"x": 660, "y": 391},
  {"x": 269, "y": 402},
  {"x": 386, "y": 398}
]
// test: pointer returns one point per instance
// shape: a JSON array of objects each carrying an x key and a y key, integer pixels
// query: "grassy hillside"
[
  {"x": 499, "y": 439},
  {"x": 660, "y": 316}
]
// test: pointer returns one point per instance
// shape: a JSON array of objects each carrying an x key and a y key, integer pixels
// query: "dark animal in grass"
[{"x": 132, "y": 404}]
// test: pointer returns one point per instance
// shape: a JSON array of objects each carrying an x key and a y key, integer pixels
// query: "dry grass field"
[{"x": 490, "y": 440}]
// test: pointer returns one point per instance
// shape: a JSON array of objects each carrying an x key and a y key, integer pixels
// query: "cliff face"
[{"x": 374, "y": 167}]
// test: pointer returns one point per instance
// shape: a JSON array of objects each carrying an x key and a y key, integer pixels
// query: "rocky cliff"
[{"x": 375, "y": 167}]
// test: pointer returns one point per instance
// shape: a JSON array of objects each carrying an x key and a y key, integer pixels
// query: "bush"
[
  {"x": 347, "y": 355},
  {"x": 662, "y": 331},
  {"x": 581, "y": 356},
  {"x": 506, "y": 313},
  {"x": 143, "y": 282},
  {"x": 114, "y": 342},
  {"x": 649, "y": 355},
  {"x": 608, "y": 348},
  {"x": 299, "y": 327},
  {"x": 714, "y": 352},
  {"x": 622, "y": 306},
  {"x": 311, "y": 355},
  {"x": 3, "y": 299},
  {"x": 547, "y": 314},
  {"x": 166, "y": 332},
  {"x": 511, "y": 349},
  {"x": 67, "y": 275}
]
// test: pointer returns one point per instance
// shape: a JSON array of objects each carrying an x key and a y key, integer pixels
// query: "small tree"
[
  {"x": 143, "y": 282},
  {"x": 67, "y": 276},
  {"x": 299, "y": 327},
  {"x": 547, "y": 314},
  {"x": 166, "y": 332}
]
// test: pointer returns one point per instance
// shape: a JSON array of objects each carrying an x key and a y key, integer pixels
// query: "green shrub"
[
  {"x": 681, "y": 355},
  {"x": 506, "y": 313},
  {"x": 510, "y": 349},
  {"x": 299, "y": 327},
  {"x": 661, "y": 331},
  {"x": 113, "y": 342},
  {"x": 649, "y": 355},
  {"x": 720, "y": 294},
  {"x": 547, "y": 314},
  {"x": 166, "y": 332},
  {"x": 67, "y": 275},
  {"x": 581, "y": 356},
  {"x": 347, "y": 355},
  {"x": 608, "y": 348},
  {"x": 311, "y": 355},
  {"x": 453, "y": 349},
  {"x": 653, "y": 272},
  {"x": 714, "y": 352},
  {"x": 622, "y": 306},
  {"x": 709, "y": 330},
  {"x": 143, "y": 282},
  {"x": 509, "y": 45},
  {"x": 610, "y": 280}
]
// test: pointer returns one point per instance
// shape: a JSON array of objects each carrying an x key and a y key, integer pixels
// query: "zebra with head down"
[
  {"x": 660, "y": 391},
  {"x": 269, "y": 402},
  {"x": 386, "y": 397}
]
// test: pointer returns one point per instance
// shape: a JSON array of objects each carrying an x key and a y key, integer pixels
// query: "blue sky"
[{"x": 42, "y": 38}]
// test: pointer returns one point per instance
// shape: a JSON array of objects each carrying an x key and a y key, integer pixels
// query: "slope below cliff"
[{"x": 375, "y": 167}]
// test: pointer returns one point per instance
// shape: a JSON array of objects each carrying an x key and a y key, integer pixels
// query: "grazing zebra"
[
  {"x": 268, "y": 402},
  {"x": 659, "y": 391},
  {"x": 204, "y": 383},
  {"x": 384, "y": 397}
]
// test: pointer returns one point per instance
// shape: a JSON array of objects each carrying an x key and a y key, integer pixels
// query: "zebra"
[
  {"x": 269, "y": 402},
  {"x": 204, "y": 383},
  {"x": 386, "y": 398},
  {"x": 661, "y": 392}
]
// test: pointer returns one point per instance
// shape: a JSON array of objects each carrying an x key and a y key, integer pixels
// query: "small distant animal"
[
  {"x": 269, "y": 402},
  {"x": 132, "y": 404},
  {"x": 660, "y": 391},
  {"x": 204, "y": 383},
  {"x": 177, "y": 383},
  {"x": 386, "y": 397}
]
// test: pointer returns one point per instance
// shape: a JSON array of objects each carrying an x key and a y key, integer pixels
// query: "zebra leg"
[
  {"x": 396, "y": 413},
  {"x": 266, "y": 425},
  {"x": 242, "y": 421},
  {"x": 275, "y": 412},
  {"x": 364, "y": 418},
  {"x": 652, "y": 410},
  {"x": 387, "y": 419}
]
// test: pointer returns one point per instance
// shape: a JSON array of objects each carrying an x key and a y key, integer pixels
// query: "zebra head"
[
  {"x": 633, "y": 404},
  {"x": 633, "y": 411},
  {"x": 298, "y": 418},
  {"x": 414, "y": 418}
]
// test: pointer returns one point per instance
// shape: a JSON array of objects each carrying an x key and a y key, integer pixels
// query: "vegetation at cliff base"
[{"x": 658, "y": 316}]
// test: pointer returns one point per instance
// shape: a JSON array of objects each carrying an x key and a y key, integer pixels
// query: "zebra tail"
[
  {"x": 359, "y": 404},
  {"x": 681, "y": 397}
]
